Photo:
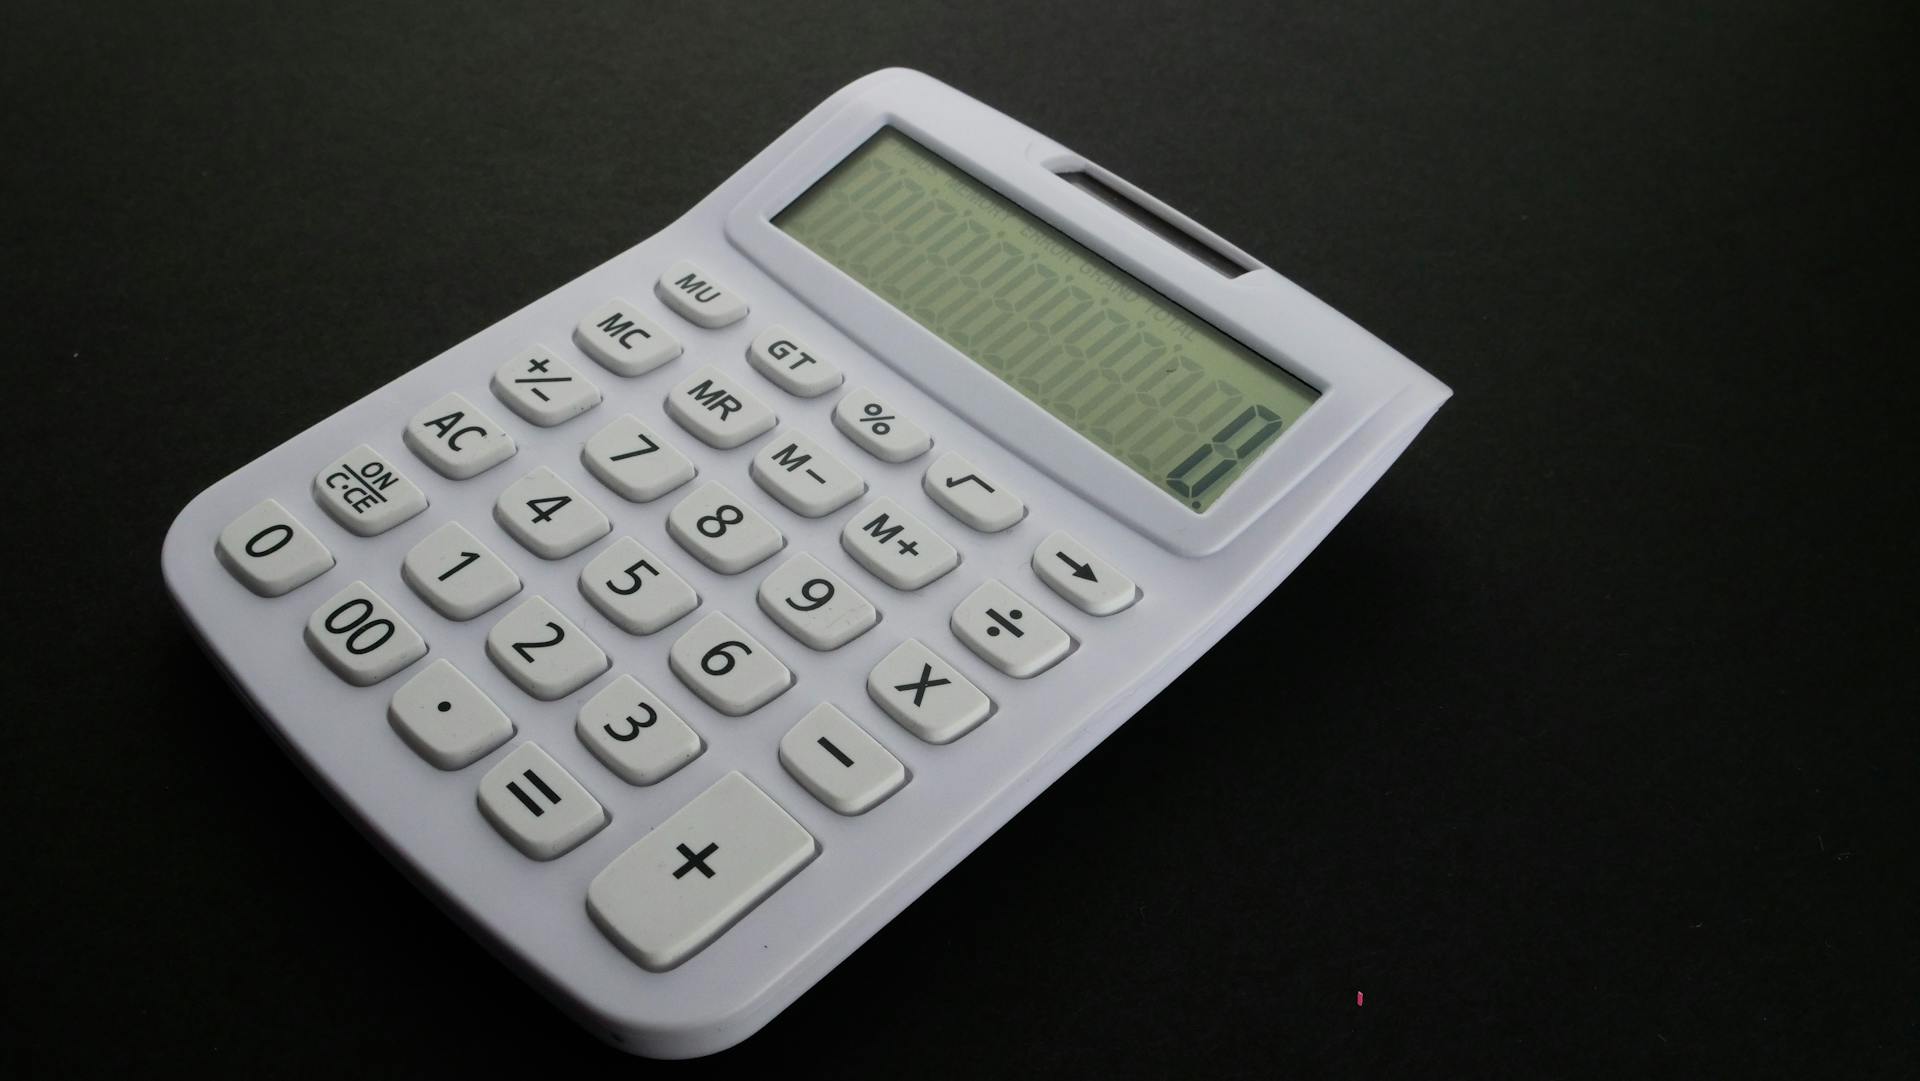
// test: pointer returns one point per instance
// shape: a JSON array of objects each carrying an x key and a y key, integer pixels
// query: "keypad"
[
  {"x": 815, "y": 605},
  {"x": 635, "y": 734},
  {"x": 727, "y": 667},
  {"x": 878, "y": 428},
  {"x": 460, "y": 577},
  {"x": 459, "y": 441},
  {"x": 632, "y": 459},
  {"x": 537, "y": 805},
  {"x": 698, "y": 873},
  {"x": 926, "y": 695},
  {"x": 548, "y": 516},
  {"x": 793, "y": 367},
  {"x": 1074, "y": 571},
  {"x": 446, "y": 719},
  {"x": 804, "y": 477},
  {"x": 360, "y": 636},
  {"x": 967, "y": 494},
  {"x": 696, "y": 297},
  {"x": 837, "y": 761},
  {"x": 896, "y": 546},
  {"x": 543, "y": 389},
  {"x": 712, "y": 861},
  {"x": 727, "y": 535},
  {"x": 543, "y": 652},
  {"x": 624, "y": 341},
  {"x": 635, "y": 589},
  {"x": 364, "y": 492},
  {"x": 1005, "y": 630},
  {"x": 270, "y": 552},
  {"x": 718, "y": 410}
]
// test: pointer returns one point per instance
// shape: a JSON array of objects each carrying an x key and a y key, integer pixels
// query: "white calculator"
[{"x": 678, "y": 630}]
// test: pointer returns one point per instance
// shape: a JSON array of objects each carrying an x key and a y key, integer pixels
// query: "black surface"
[{"x": 1592, "y": 739}]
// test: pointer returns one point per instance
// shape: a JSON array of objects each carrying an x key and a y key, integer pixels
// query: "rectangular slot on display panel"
[{"x": 1222, "y": 263}]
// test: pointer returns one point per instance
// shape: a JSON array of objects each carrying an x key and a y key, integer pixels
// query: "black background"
[{"x": 1582, "y": 747}]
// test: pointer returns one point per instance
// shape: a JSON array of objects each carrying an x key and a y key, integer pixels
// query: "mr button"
[{"x": 365, "y": 493}]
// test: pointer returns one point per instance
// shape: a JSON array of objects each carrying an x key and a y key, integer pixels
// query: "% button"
[{"x": 863, "y": 418}]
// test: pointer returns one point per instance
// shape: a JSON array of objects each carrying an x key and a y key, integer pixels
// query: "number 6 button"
[
  {"x": 543, "y": 651},
  {"x": 725, "y": 666}
]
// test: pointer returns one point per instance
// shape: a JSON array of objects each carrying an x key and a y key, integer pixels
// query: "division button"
[{"x": 1005, "y": 630}]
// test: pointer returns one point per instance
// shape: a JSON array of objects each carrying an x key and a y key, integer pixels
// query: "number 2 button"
[{"x": 543, "y": 651}]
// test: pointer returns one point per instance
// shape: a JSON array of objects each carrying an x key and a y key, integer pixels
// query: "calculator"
[{"x": 678, "y": 630}]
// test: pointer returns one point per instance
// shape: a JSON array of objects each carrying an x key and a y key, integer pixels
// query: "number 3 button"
[
  {"x": 725, "y": 666},
  {"x": 543, "y": 651}
]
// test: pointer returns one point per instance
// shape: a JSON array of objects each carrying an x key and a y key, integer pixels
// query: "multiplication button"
[
  {"x": 537, "y": 805},
  {"x": 364, "y": 492},
  {"x": 926, "y": 695},
  {"x": 878, "y": 429},
  {"x": 698, "y": 873},
  {"x": 1006, "y": 631}
]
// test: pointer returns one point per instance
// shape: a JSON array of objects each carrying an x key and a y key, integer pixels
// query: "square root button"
[{"x": 684, "y": 884}]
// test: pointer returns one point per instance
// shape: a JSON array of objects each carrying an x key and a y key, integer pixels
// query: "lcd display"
[{"x": 1144, "y": 379}]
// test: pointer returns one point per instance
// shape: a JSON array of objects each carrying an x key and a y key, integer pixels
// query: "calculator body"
[{"x": 1197, "y": 574}]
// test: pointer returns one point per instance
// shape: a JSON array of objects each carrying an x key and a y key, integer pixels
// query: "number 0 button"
[
  {"x": 543, "y": 651},
  {"x": 725, "y": 666},
  {"x": 270, "y": 551}
]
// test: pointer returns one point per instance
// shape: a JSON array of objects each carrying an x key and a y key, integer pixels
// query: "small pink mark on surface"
[{"x": 1359, "y": 998}]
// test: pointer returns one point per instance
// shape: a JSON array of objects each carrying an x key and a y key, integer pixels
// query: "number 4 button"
[{"x": 543, "y": 651}]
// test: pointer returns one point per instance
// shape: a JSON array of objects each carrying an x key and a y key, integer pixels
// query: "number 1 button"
[{"x": 543, "y": 651}]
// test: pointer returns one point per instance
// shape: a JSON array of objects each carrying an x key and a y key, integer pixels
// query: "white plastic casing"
[{"x": 1199, "y": 574}]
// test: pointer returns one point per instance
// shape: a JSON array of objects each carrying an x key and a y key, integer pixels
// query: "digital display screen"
[{"x": 1146, "y": 380}]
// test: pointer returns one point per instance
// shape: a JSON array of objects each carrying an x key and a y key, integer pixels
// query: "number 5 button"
[
  {"x": 543, "y": 651},
  {"x": 725, "y": 666}
]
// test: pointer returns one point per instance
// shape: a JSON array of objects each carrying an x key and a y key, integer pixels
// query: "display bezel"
[{"x": 1277, "y": 321}]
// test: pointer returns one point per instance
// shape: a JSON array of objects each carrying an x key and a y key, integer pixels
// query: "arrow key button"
[{"x": 1089, "y": 582}]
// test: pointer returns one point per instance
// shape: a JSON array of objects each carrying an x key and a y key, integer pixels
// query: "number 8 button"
[{"x": 725, "y": 666}]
